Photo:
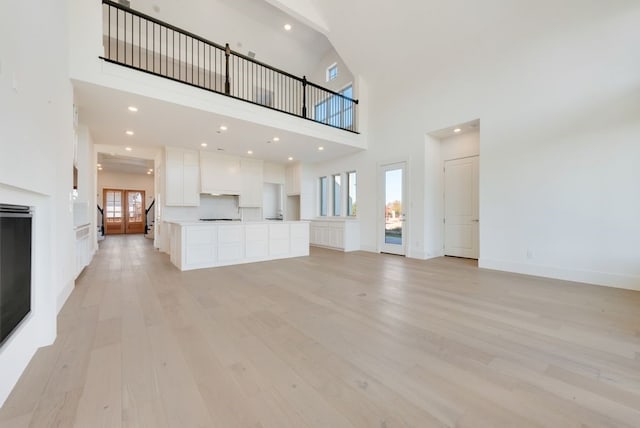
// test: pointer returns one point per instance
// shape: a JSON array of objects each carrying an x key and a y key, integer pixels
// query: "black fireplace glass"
[{"x": 15, "y": 267}]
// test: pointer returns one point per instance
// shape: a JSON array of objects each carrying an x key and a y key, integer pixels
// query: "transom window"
[{"x": 332, "y": 72}]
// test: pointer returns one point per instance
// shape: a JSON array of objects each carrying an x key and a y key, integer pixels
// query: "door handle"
[{"x": 476, "y": 220}]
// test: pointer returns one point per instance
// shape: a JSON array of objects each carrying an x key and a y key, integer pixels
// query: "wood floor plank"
[{"x": 331, "y": 340}]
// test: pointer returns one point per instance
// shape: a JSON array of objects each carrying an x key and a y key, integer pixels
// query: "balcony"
[{"x": 138, "y": 41}]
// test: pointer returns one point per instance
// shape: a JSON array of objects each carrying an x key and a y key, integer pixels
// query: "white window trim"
[{"x": 327, "y": 77}]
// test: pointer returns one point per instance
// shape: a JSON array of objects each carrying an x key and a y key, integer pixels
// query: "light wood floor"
[{"x": 331, "y": 340}]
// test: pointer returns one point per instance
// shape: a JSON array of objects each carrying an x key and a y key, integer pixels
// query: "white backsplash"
[
  {"x": 218, "y": 207},
  {"x": 213, "y": 207}
]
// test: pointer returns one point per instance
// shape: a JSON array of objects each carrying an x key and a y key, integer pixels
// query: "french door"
[
  {"x": 393, "y": 236},
  {"x": 124, "y": 211}
]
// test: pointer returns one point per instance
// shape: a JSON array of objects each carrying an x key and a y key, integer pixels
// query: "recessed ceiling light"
[
  {"x": 100, "y": 169},
  {"x": 133, "y": 109},
  {"x": 129, "y": 132},
  {"x": 287, "y": 27},
  {"x": 290, "y": 158},
  {"x": 321, "y": 148},
  {"x": 128, "y": 149},
  {"x": 276, "y": 139},
  {"x": 148, "y": 172},
  {"x": 223, "y": 128},
  {"x": 203, "y": 144},
  {"x": 150, "y": 169},
  {"x": 457, "y": 130},
  {"x": 99, "y": 165},
  {"x": 249, "y": 152}
]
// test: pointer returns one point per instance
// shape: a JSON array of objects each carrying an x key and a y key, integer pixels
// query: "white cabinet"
[
  {"x": 279, "y": 237},
  {"x": 182, "y": 177},
  {"x": 251, "y": 183},
  {"x": 200, "y": 248},
  {"x": 273, "y": 173},
  {"x": 195, "y": 245},
  {"x": 83, "y": 248},
  {"x": 293, "y": 176},
  {"x": 220, "y": 174},
  {"x": 256, "y": 241},
  {"x": 341, "y": 234},
  {"x": 230, "y": 243},
  {"x": 299, "y": 233}
]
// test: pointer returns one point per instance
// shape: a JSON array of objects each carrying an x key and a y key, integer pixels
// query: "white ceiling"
[
  {"x": 450, "y": 131},
  {"x": 434, "y": 40},
  {"x": 125, "y": 164},
  {"x": 158, "y": 123}
]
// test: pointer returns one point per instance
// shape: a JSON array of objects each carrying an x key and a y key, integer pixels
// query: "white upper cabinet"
[
  {"x": 273, "y": 173},
  {"x": 220, "y": 174},
  {"x": 251, "y": 189},
  {"x": 292, "y": 179},
  {"x": 182, "y": 175}
]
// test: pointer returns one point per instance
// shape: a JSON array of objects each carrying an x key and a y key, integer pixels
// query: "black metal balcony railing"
[{"x": 135, "y": 40}]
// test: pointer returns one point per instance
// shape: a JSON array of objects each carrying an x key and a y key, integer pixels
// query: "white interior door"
[
  {"x": 461, "y": 221},
  {"x": 393, "y": 236}
]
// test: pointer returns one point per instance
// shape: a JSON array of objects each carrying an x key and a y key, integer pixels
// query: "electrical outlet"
[{"x": 529, "y": 253}]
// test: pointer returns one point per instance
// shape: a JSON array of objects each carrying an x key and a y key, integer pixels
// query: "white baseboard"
[
  {"x": 628, "y": 282},
  {"x": 369, "y": 248},
  {"x": 64, "y": 295}
]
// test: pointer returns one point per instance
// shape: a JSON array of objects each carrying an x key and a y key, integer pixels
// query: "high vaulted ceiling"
[{"x": 433, "y": 38}]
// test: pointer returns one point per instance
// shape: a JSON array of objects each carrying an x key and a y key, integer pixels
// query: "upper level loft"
[{"x": 141, "y": 42}]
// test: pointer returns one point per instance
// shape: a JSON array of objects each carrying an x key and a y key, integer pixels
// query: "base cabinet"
[
  {"x": 339, "y": 234},
  {"x": 83, "y": 248},
  {"x": 197, "y": 246}
]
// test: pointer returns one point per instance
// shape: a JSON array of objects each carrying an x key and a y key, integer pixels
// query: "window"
[
  {"x": 336, "y": 110},
  {"x": 336, "y": 179},
  {"x": 351, "y": 193},
  {"x": 323, "y": 196},
  {"x": 332, "y": 72}
]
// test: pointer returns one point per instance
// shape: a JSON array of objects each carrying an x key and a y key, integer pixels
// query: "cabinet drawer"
[
  {"x": 200, "y": 235},
  {"x": 279, "y": 231},
  {"x": 256, "y": 233},
  {"x": 230, "y": 234}
]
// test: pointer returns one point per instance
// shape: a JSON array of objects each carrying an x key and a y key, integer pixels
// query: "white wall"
[
  {"x": 560, "y": 125},
  {"x": 319, "y": 74},
  {"x": 36, "y": 163},
  {"x": 85, "y": 203}
]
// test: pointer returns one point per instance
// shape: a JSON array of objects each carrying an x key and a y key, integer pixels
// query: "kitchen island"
[{"x": 199, "y": 244}]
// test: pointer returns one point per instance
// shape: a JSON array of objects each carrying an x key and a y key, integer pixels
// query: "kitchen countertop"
[
  {"x": 334, "y": 218},
  {"x": 231, "y": 223}
]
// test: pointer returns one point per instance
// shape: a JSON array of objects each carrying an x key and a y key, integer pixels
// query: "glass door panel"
[
  {"x": 113, "y": 203},
  {"x": 393, "y": 236},
  {"x": 135, "y": 211}
]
